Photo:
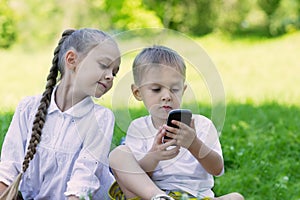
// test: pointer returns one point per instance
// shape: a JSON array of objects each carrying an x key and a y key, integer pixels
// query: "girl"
[{"x": 67, "y": 135}]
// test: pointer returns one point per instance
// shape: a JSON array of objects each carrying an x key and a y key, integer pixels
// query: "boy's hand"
[
  {"x": 184, "y": 135},
  {"x": 159, "y": 150}
]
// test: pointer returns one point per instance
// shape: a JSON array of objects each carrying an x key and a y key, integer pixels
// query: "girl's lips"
[{"x": 102, "y": 84}]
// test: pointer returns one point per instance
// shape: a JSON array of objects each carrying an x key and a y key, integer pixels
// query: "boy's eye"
[
  {"x": 174, "y": 90},
  {"x": 155, "y": 89}
]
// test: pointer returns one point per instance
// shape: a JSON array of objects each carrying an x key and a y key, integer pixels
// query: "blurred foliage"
[
  {"x": 37, "y": 27},
  {"x": 8, "y": 31},
  {"x": 269, "y": 6},
  {"x": 128, "y": 14},
  {"x": 232, "y": 17},
  {"x": 196, "y": 17}
]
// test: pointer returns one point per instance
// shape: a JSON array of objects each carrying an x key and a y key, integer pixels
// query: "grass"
[
  {"x": 260, "y": 136},
  {"x": 260, "y": 147}
]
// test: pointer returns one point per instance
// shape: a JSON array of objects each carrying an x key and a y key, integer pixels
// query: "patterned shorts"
[{"x": 115, "y": 193}]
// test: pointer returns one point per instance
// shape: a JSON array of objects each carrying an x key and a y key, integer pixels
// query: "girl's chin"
[{"x": 98, "y": 95}]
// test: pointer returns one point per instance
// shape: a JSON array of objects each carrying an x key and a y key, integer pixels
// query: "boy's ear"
[
  {"x": 136, "y": 92},
  {"x": 71, "y": 60},
  {"x": 184, "y": 88}
]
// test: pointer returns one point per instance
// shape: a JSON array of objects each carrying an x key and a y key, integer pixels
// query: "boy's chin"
[{"x": 160, "y": 118}]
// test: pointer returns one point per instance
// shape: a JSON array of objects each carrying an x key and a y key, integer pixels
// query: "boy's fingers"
[
  {"x": 170, "y": 129},
  {"x": 160, "y": 134},
  {"x": 169, "y": 143},
  {"x": 171, "y": 135},
  {"x": 192, "y": 124},
  {"x": 173, "y": 151}
]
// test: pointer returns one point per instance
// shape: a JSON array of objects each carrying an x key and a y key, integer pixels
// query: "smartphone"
[{"x": 182, "y": 115}]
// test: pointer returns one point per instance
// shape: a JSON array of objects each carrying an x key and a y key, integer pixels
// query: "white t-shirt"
[
  {"x": 72, "y": 156},
  {"x": 183, "y": 172}
]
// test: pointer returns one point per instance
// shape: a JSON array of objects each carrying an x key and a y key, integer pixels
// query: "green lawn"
[
  {"x": 260, "y": 147},
  {"x": 260, "y": 137}
]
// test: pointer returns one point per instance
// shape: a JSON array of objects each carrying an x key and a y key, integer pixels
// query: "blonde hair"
[
  {"x": 157, "y": 55},
  {"x": 82, "y": 41}
]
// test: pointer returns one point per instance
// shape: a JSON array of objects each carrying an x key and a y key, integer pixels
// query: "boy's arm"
[
  {"x": 186, "y": 137},
  {"x": 3, "y": 187},
  {"x": 209, "y": 159},
  {"x": 148, "y": 163}
]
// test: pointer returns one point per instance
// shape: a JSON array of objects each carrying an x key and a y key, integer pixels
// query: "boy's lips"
[{"x": 167, "y": 107}]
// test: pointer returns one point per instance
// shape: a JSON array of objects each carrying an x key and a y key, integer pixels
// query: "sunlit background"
[{"x": 254, "y": 45}]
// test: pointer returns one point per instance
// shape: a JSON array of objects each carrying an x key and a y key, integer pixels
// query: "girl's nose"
[{"x": 109, "y": 76}]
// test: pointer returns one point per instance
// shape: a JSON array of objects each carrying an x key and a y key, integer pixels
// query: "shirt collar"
[{"x": 78, "y": 110}]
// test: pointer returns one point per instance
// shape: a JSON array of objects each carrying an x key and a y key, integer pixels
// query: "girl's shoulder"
[
  {"x": 29, "y": 103},
  {"x": 102, "y": 109},
  {"x": 102, "y": 112}
]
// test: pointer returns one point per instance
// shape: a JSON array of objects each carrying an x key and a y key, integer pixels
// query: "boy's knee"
[
  {"x": 231, "y": 196},
  {"x": 237, "y": 196},
  {"x": 118, "y": 154}
]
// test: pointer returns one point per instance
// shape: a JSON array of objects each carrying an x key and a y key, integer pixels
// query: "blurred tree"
[
  {"x": 232, "y": 16},
  {"x": 201, "y": 16},
  {"x": 38, "y": 26},
  {"x": 8, "y": 28},
  {"x": 170, "y": 12},
  {"x": 128, "y": 14},
  {"x": 96, "y": 16},
  {"x": 269, "y": 7},
  {"x": 285, "y": 19},
  {"x": 196, "y": 17}
]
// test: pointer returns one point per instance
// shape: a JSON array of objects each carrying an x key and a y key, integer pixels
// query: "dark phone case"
[{"x": 182, "y": 115}]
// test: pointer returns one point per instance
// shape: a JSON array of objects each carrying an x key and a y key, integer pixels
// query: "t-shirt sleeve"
[
  {"x": 207, "y": 132},
  {"x": 135, "y": 140}
]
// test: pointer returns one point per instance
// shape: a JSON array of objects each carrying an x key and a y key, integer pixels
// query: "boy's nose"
[{"x": 166, "y": 96}]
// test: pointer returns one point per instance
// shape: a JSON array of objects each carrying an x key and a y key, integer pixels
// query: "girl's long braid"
[{"x": 40, "y": 116}]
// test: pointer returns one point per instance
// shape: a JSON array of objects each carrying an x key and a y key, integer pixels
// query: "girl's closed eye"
[{"x": 103, "y": 66}]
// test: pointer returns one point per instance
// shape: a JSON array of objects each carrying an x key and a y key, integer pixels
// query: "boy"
[{"x": 152, "y": 167}]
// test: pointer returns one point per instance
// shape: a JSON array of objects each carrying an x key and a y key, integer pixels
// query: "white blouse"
[{"x": 72, "y": 156}]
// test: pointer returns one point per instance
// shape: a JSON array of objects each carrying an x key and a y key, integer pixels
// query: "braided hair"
[{"x": 82, "y": 41}]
